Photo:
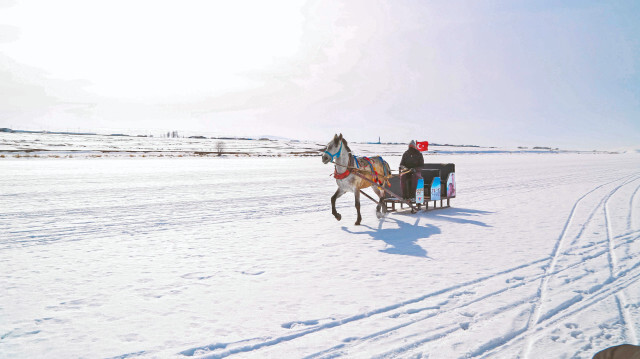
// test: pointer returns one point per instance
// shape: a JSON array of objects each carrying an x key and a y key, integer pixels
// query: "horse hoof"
[
  {"x": 380, "y": 215},
  {"x": 338, "y": 216},
  {"x": 358, "y": 223}
]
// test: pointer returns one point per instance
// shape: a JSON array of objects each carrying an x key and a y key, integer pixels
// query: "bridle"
[{"x": 335, "y": 155}]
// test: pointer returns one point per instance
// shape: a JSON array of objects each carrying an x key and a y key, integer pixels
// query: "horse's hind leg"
[
  {"x": 335, "y": 196},
  {"x": 357, "y": 195}
]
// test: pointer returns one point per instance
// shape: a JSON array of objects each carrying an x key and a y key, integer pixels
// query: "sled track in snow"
[
  {"x": 449, "y": 301},
  {"x": 621, "y": 298},
  {"x": 630, "y": 218},
  {"x": 542, "y": 290},
  {"x": 362, "y": 316},
  {"x": 613, "y": 286},
  {"x": 108, "y": 221},
  {"x": 437, "y": 333}
]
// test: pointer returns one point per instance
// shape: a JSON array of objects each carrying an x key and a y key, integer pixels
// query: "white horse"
[{"x": 375, "y": 169}]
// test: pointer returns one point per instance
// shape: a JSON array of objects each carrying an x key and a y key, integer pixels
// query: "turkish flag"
[{"x": 422, "y": 146}]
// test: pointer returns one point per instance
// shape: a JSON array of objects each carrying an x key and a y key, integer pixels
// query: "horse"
[{"x": 346, "y": 166}]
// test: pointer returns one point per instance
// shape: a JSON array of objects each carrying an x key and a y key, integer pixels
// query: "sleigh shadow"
[
  {"x": 452, "y": 214},
  {"x": 459, "y": 216},
  {"x": 401, "y": 240}
]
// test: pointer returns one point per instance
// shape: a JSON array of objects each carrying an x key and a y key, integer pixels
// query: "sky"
[{"x": 496, "y": 73}]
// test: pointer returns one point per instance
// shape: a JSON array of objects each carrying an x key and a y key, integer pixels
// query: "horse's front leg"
[
  {"x": 335, "y": 196},
  {"x": 357, "y": 195},
  {"x": 381, "y": 208}
]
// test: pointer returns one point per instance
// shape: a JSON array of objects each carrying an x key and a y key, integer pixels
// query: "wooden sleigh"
[{"x": 439, "y": 185}]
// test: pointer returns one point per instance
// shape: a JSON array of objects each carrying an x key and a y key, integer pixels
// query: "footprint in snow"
[
  {"x": 514, "y": 279},
  {"x": 252, "y": 272},
  {"x": 17, "y": 333},
  {"x": 294, "y": 324},
  {"x": 460, "y": 294},
  {"x": 412, "y": 311},
  {"x": 196, "y": 275},
  {"x": 576, "y": 333}
]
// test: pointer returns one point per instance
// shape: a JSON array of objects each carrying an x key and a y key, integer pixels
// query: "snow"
[
  {"x": 57, "y": 145},
  {"x": 240, "y": 257}
]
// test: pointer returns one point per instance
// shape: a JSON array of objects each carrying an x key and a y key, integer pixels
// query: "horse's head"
[{"x": 333, "y": 149}]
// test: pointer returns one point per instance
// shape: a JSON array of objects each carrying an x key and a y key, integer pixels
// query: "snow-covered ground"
[{"x": 240, "y": 256}]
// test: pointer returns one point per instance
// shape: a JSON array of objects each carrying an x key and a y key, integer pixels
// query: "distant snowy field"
[
  {"x": 47, "y": 145},
  {"x": 240, "y": 257}
]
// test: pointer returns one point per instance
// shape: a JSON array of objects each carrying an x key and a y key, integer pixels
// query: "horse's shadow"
[{"x": 401, "y": 240}]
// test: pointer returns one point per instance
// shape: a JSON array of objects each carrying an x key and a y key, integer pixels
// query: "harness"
[
  {"x": 345, "y": 174},
  {"x": 337, "y": 175},
  {"x": 374, "y": 173}
]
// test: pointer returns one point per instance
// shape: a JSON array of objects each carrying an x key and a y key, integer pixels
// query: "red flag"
[{"x": 422, "y": 146}]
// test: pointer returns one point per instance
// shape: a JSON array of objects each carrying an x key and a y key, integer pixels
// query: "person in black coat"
[{"x": 411, "y": 160}]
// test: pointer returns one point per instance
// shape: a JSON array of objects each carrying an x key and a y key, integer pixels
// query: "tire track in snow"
[
  {"x": 610, "y": 247},
  {"x": 631, "y": 225},
  {"x": 560, "y": 312},
  {"x": 447, "y": 329},
  {"x": 70, "y": 225},
  {"x": 612, "y": 257},
  {"x": 444, "y": 330},
  {"x": 536, "y": 313},
  {"x": 621, "y": 298},
  {"x": 625, "y": 279},
  {"x": 454, "y": 325},
  {"x": 357, "y": 317}
]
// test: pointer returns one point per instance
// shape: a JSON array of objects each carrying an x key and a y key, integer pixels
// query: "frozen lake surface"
[
  {"x": 59, "y": 145},
  {"x": 241, "y": 257}
]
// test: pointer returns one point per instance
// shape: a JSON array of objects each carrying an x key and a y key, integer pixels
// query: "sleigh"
[
  {"x": 439, "y": 186},
  {"x": 353, "y": 174}
]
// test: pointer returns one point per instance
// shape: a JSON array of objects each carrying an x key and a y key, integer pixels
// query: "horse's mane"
[{"x": 346, "y": 145}]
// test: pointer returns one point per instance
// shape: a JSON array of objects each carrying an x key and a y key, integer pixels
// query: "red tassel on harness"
[{"x": 343, "y": 175}]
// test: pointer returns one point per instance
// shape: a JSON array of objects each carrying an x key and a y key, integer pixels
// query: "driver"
[{"x": 412, "y": 161}]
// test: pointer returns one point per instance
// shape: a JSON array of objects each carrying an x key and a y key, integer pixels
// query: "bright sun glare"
[{"x": 150, "y": 49}]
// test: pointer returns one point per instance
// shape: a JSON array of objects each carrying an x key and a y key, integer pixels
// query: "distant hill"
[{"x": 274, "y": 138}]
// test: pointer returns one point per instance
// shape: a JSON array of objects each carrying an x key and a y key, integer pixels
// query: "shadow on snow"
[
  {"x": 403, "y": 239},
  {"x": 458, "y": 215}
]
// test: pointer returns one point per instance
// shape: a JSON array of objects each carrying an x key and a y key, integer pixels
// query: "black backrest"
[
  {"x": 445, "y": 169},
  {"x": 395, "y": 187},
  {"x": 429, "y": 171}
]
